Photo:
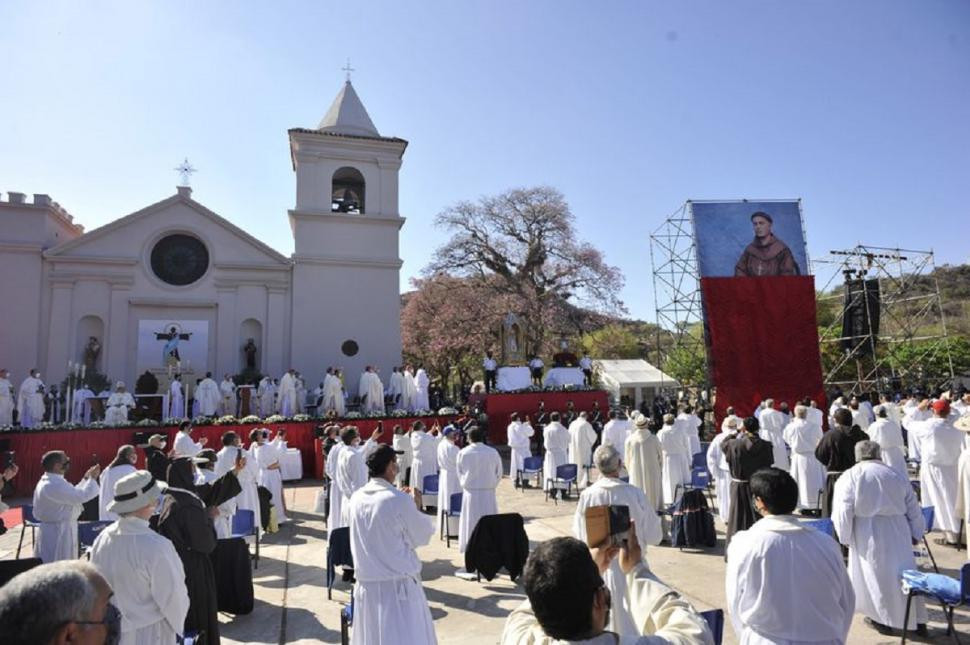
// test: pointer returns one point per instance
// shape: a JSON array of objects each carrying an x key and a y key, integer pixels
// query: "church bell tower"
[{"x": 346, "y": 301}]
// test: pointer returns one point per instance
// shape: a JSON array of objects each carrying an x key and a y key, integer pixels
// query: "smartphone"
[{"x": 238, "y": 455}]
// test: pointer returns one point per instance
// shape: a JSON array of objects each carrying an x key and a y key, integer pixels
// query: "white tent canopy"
[{"x": 632, "y": 377}]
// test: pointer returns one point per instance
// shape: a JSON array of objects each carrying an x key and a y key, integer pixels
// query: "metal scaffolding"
[
  {"x": 911, "y": 347},
  {"x": 677, "y": 294}
]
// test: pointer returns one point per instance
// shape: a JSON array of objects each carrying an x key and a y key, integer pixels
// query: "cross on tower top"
[
  {"x": 185, "y": 171},
  {"x": 348, "y": 69}
]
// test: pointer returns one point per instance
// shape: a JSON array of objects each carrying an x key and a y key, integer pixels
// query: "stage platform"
[
  {"x": 499, "y": 406},
  {"x": 85, "y": 447}
]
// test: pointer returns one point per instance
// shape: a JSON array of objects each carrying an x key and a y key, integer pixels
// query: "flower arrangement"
[
  {"x": 275, "y": 418},
  {"x": 353, "y": 414},
  {"x": 147, "y": 423},
  {"x": 447, "y": 411},
  {"x": 252, "y": 418},
  {"x": 400, "y": 413},
  {"x": 202, "y": 420},
  {"x": 301, "y": 417},
  {"x": 226, "y": 420},
  {"x": 172, "y": 421}
]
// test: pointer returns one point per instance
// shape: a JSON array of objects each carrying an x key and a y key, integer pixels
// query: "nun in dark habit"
[{"x": 186, "y": 520}]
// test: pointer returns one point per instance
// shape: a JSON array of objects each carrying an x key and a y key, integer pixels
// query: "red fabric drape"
[
  {"x": 763, "y": 340},
  {"x": 85, "y": 447},
  {"x": 499, "y": 407}
]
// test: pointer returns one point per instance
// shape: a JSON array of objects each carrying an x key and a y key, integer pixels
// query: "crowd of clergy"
[{"x": 772, "y": 473}]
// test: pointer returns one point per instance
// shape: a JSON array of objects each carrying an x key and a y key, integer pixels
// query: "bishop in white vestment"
[
  {"x": 118, "y": 405},
  {"x": 267, "y": 396},
  {"x": 876, "y": 515},
  {"x": 479, "y": 473},
  {"x": 371, "y": 391},
  {"x": 386, "y": 528},
  {"x": 208, "y": 396}
]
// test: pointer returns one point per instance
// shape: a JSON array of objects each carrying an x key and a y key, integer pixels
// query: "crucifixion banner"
[{"x": 164, "y": 343}]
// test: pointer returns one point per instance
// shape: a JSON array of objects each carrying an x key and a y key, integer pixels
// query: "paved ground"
[{"x": 292, "y": 605}]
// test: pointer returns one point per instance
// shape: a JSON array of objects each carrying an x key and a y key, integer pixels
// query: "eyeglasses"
[{"x": 111, "y": 622}]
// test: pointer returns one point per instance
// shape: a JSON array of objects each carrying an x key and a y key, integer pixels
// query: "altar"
[
  {"x": 513, "y": 378},
  {"x": 562, "y": 376}
]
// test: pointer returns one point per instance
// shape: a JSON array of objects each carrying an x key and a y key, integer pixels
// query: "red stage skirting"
[
  {"x": 82, "y": 445},
  {"x": 763, "y": 341},
  {"x": 499, "y": 407}
]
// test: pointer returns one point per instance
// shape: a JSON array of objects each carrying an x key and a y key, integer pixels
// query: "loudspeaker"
[{"x": 860, "y": 320}]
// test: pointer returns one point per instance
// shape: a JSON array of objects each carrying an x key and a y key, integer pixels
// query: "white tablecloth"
[
  {"x": 563, "y": 376},
  {"x": 512, "y": 378},
  {"x": 291, "y": 465}
]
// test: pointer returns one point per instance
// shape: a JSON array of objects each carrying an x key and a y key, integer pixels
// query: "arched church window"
[
  {"x": 179, "y": 259},
  {"x": 347, "y": 195}
]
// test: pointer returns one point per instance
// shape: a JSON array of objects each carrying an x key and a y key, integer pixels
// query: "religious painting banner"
[
  {"x": 762, "y": 341},
  {"x": 165, "y": 343},
  {"x": 749, "y": 239}
]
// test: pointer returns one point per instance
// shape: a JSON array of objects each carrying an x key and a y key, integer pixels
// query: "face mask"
[{"x": 112, "y": 623}]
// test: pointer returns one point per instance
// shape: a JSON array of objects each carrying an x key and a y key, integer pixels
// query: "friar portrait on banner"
[{"x": 766, "y": 255}]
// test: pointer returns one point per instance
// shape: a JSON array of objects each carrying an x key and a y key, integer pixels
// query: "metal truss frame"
[
  {"x": 676, "y": 290},
  {"x": 911, "y": 311}
]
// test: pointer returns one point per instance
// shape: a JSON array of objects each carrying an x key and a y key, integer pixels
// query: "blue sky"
[{"x": 862, "y": 109}]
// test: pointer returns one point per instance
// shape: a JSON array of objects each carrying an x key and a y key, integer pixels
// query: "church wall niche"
[
  {"x": 88, "y": 327},
  {"x": 348, "y": 191},
  {"x": 250, "y": 328}
]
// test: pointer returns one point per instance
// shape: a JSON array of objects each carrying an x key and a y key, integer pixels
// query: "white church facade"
[{"x": 176, "y": 265}]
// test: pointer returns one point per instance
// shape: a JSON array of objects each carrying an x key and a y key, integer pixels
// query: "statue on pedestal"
[
  {"x": 249, "y": 351},
  {"x": 513, "y": 340},
  {"x": 91, "y": 353}
]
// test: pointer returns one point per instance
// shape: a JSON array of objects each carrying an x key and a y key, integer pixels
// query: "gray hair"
[
  {"x": 801, "y": 411},
  {"x": 669, "y": 419},
  {"x": 769, "y": 403},
  {"x": 607, "y": 459},
  {"x": 867, "y": 451},
  {"x": 36, "y": 603}
]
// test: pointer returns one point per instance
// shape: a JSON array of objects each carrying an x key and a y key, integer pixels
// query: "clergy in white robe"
[
  {"x": 335, "y": 518},
  {"x": 395, "y": 390},
  {"x": 371, "y": 391},
  {"x": 643, "y": 458},
  {"x": 424, "y": 455},
  {"x": 6, "y": 399},
  {"x": 940, "y": 446},
  {"x": 267, "y": 396},
  {"x": 659, "y": 612},
  {"x": 448, "y": 483},
  {"x": 617, "y": 430},
  {"x": 333, "y": 394},
  {"x": 286, "y": 403},
  {"x": 176, "y": 399},
  {"x": 803, "y": 437},
  {"x": 889, "y": 436},
  {"x": 785, "y": 581},
  {"x": 410, "y": 391},
  {"x": 247, "y": 476},
  {"x": 351, "y": 468},
  {"x": 421, "y": 385},
  {"x": 676, "y": 460},
  {"x": 58, "y": 504},
  {"x": 814, "y": 415},
  {"x": 519, "y": 435},
  {"x": 610, "y": 490},
  {"x": 479, "y": 473},
  {"x": 555, "y": 439},
  {"x": 860, "y": 416},
  {"x": 401, "y": 442},
  {"x": 688, "y": 423},
  {"x": 963, "y": 475},
  {"x": 184, "y": 445},
  {"x": 142, "y": 567},
  {"x": 118, "y": 405},
  {"x": 227, "y": 392},
  {"x": 268, "y": 454},
  {"x": 208, "y": 396},
  {"x": 30, "y": 400},
  {"x": 581, "y": 440},
  {"x": 386, "y": 528},
  {"x": 876, "y": 515},
  {"x": 81, "y": 412},
  {"x": 718, "y": 467},
  {"x": 123, "y": 465},
  {"x": 772, "y": 429},
  {"x": 912, "y": 411}
]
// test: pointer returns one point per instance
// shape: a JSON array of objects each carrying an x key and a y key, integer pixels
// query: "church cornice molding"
[
  {"x": 72, "y": 277},
  {"x": 91, "y": 259},
  {"x": 242, "y": 266},
  {"x": 346, "y": 218},
  {"x": 20, "y": 247},
  {"x": 242, "y": 281},
  {"x": 188, "y": 303},
  {"x": 348, "y": 261}
]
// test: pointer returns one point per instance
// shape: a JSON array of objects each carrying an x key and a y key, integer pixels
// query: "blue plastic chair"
[
  {"x": 929, "y": 514},
  {"x": 715, "y": 620},
  {"x": 823, "y": 525},
  {"x": 429, "y": 490},
  {"x": 530, "y": 466},
  {"x": 87, "y": 533},
  {"x": 243, "y": 526},
  {"x": 338, "y": 552},
  {"x": 950, "y": 592},
  {"x": 30, "y": 522},
  {"x": 454, "y": 510},
  {"x": 699, "y": 460},
  {"x": 565, "y": 474}
]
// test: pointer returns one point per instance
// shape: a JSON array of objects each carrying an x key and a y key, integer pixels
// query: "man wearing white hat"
[
  {"x": 141, "y": 566},
  {"x": 118, "y": 405}
]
